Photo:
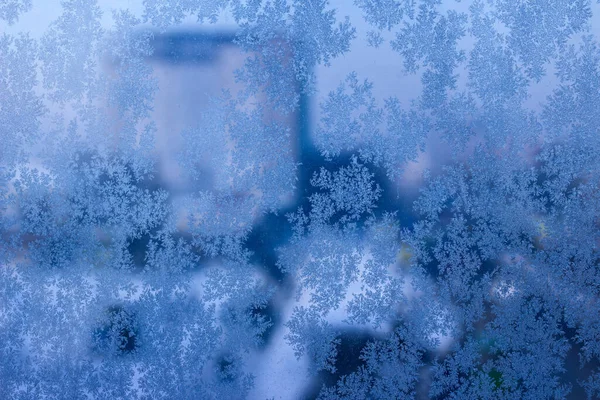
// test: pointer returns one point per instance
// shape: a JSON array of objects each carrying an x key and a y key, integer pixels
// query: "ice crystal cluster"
[{"x": 297, "y": 232}]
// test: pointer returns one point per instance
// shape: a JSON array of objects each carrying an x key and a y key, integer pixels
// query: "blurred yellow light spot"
[
  {"x": 405, "y": 254},
  {"x": 543, "y": 231}
]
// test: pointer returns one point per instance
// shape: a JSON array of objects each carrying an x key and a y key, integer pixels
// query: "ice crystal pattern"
[{"x": 117, "y": 283}]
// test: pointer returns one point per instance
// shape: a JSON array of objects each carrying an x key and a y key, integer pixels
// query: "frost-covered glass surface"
[{"x": 288, "y": 199}]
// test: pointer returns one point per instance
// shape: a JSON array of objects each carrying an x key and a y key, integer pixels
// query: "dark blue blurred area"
[{"x": 189, "y": 47}]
